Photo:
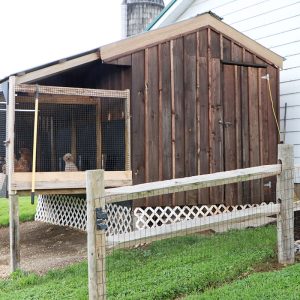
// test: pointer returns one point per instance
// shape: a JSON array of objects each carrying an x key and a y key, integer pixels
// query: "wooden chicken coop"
[{"x": 200, "y": 103}]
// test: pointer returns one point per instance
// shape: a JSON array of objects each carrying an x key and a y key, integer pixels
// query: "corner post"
[
  {"x": 285, "y": 197},
  {"x": 14, "y": 230},
  {"x": 95, "y": 238}
]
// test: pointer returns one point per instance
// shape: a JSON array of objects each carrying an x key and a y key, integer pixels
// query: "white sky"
[{"x": 35, "y": 32}]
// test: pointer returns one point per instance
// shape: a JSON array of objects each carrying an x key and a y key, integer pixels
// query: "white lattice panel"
[
  {"x": 71, "y": 212},
  {"x": 157, "y": 216}
]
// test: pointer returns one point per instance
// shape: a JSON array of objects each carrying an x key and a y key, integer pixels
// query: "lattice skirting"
[
  {"x": 157, "y": 216},
  {"x": 71, "y": 211}
]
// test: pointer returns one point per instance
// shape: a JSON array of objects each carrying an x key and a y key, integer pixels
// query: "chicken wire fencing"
[
  {"x": 3, "y": 104},
  {"x": 78, "y": 129},
  {"x": 185, "y": 249}
]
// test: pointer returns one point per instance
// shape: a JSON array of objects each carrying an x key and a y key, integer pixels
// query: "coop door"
[{"x": 249, "y": 131}]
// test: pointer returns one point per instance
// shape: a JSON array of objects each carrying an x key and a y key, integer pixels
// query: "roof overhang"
[{"x": 114, "y": 50}]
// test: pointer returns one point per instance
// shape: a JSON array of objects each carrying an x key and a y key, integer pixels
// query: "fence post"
[
  {"x": 95, "y": 238},
  {"x": 285, "y": 196}
]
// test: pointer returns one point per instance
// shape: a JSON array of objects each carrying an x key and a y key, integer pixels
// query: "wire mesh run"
[
  {"x": 78, "y": 129},
  {"x": 186, "y": 245}
]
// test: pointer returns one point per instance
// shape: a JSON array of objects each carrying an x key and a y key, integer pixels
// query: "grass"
[
  {"x": 283, "y": 284},
  {"x": 26, "y": 210},
  {"x": 163, "y": 270}
]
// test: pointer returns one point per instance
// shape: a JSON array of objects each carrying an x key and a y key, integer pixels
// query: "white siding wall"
[{"x": 276, "y": 25}]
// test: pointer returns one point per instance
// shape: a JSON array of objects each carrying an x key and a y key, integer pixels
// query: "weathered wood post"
[
  {"x": 285, "y": 196},
  {"x": 14, "y": 235},
  {"x": 95, "y": 238}
]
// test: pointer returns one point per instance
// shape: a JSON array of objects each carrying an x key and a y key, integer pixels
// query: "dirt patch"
[{"x": 43, "y": 247}]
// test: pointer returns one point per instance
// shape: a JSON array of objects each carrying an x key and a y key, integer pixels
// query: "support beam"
[
  {"x": 14, "y": 236},
  {"x": 285, "y": 197}
]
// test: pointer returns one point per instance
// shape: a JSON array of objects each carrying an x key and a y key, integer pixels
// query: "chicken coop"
[{"x": 204, "y": 98}]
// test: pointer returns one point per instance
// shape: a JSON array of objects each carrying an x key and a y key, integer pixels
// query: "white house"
[{"x": 274, "y": 24}]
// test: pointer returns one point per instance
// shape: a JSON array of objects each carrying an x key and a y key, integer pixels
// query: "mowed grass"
[
  {"x": 26, "y": 210},
  {"x": 276, "y": 285},
  {"x": 163, "y": 270}
]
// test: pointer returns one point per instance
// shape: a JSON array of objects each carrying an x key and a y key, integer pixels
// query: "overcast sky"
[{"x": 35, "y": 32}]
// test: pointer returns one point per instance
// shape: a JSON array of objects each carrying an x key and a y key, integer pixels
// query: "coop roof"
[{"x": 146, "y": 39}]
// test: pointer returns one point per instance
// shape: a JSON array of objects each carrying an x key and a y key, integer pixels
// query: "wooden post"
[
  {"x": 95, "y": 238},
  {"x": 14, "y": 236},
  {"x": 285, "y": 196}
]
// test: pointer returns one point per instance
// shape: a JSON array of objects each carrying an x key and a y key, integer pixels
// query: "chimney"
[{"x": 137, "y": 14}]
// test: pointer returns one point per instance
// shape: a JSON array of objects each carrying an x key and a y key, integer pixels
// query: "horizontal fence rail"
[{"x": 158, "y": 188}]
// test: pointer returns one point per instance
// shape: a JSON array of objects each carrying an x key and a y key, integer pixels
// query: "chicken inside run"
[{"x": 74, "y": 133}]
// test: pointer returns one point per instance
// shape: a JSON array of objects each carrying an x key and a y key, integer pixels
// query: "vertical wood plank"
[
  {"x": 254, "y": 151},
  {"x": 166, "y": 117},
  {"x": 229, "y": 125},
  {"x": 204, "y": 125},
  {"x": 152, "y": 118},
  {"x": 216, "y": 133},
  {"x": 96, "y": 238},
  {"x": 190, "y": 112},
  {"x": 285, "y": 196},
  {"x": 245, "y": 130},
  {"x": 238, "y": 128},
  {"x": 179, "y": 116},
  {"x": 226, "y": 49},
  {"x": 138, "y": 120}
]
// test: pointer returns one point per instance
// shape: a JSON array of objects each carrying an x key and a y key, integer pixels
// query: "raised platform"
[{"x": 65, "y": 182}]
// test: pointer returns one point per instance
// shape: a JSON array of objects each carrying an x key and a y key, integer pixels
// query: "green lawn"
[
  {"x": 26, "y": 210},
  {"x": 277, "y": 285},
  {"x": 163, "y": 270}
]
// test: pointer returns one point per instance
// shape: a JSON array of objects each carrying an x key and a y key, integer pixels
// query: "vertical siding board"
[
  {"x": 179, "y": 114},
  {"x": 166, "y": 117},
  {"x": 237, "y": 53},
  {"x": 215, "y": 45},
  {"x": 203, "y": 42},
  {"x": 230, "y": 151},
  {"x": 204, "y": 126},
  {"x": 190, "y": 125},
  {"x": 138, "y": 121},
  {"x": 216, "y": 133},
  {"x": 245, "y": 130},
  {"x": 254, "y": 150},
  {"x": 152, "y": 118},
  {"x": 238, "y": 118},
  {"x": 226, "y": 49}
]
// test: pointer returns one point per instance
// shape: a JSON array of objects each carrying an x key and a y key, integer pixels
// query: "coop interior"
[{"x": 74, "y": 132}]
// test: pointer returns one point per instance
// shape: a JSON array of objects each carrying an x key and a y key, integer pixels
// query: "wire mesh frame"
[{"x": 90, "y": 95}]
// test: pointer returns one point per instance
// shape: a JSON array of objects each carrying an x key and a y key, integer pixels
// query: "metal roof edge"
[{"x": 162, "y": 13}]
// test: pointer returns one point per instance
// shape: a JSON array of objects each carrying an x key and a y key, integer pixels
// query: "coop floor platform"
[{"x": 65, "y": 182}]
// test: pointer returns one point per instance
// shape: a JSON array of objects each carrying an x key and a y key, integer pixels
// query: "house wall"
[
  {"x": 276, "y": 25},
  {"x": 180, "y": 92}
]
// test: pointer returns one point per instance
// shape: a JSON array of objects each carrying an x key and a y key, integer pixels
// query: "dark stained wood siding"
[{"x": 192, "y": 114}]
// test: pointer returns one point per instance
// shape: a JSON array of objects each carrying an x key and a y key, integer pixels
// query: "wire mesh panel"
[
  {"x": 78, "y": 129},
  {"x": 3, "y": 133},
  {"x": 182, "y": 250}
]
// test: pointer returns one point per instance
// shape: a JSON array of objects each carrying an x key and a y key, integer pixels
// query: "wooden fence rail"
[{"x": 284, "y": 209}]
